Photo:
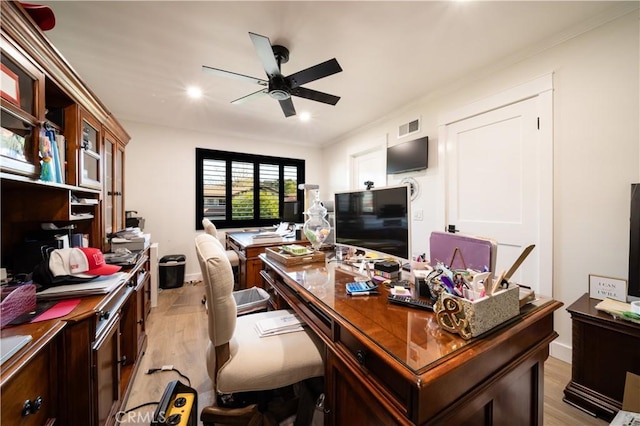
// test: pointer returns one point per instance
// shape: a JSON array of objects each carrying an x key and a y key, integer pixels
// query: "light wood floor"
[{"x": 177, "y": 335}]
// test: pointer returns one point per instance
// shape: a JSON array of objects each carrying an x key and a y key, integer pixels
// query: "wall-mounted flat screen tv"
[
  {"x": 375, "y": 220},
  {"x": 408, "y": 156}
]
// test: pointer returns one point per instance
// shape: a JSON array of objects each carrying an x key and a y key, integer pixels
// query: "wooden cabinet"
[
  {"x": 78, "y": 369},
  {"x": 51, "y": 103},
  {"x": 114, "y": 219},
  {"x": 22, "y": 110},
  {"x": 603, "y": 350},
  {"x": 83, "y": 133},
  {"x": 29, "y": 398},
  {"x": 106, "y": 370}
]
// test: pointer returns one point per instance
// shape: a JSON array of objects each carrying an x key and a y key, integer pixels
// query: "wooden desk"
[
  {"x": 80, "y": 366},
  {"x": 604, "y": 349},
  {"x": 250, "y": 264},
  {"x": 389, "y": 364}
]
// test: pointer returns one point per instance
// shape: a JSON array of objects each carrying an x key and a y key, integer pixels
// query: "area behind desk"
[{"x": 389, "y": 364}]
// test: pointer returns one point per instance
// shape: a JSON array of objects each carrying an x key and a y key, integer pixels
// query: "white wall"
[
  {"x": 160, "y": 180},
  {"x": 596, "y": 153}
]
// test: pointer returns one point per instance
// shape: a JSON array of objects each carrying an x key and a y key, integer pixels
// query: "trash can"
[
  {"x": 171, "y": 270},
  {"x": 251, "y": 300}
]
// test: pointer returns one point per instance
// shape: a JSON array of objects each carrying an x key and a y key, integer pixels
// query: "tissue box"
[{"x": 470, "y": 319}]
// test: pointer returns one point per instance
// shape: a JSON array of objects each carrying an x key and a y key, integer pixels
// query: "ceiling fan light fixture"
[
  {"x": 279, "y": 94},
  {"x": 279, "y": 86}
]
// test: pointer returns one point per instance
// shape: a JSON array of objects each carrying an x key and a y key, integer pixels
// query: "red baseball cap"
[
  {"x": 41, "y": 14},
  {"x": 90, "y": 261}
]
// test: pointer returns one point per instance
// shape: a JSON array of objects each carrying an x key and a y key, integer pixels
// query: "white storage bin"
[{"x": 251, "y": 300}]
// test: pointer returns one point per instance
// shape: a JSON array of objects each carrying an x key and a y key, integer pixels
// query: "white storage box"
[
  {"x": 133, "y": 244},
  {"x": 251, "y": 300}
]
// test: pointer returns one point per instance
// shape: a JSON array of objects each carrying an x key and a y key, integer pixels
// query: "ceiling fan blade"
[
  {"x": 250, "y": 96},
  {"x": 314, "y": 95},
  {"x": 265, "y": 54},
  {"x": 237, "y": 76},
  {"x": 287, "y": 107},
  {"x": 315, "y": 72}
]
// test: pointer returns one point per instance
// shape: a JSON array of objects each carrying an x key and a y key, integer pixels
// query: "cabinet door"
[
  {"x": 22, "y": 109},
  {"x": 106, "y": 356},
  {"x": 113, "y": 184},
  {"x": 348, "y": 401},
  {"x": 28, "y": 398}
]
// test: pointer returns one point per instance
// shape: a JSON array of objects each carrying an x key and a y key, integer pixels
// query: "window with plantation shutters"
[{"x": 237, "y": 189}]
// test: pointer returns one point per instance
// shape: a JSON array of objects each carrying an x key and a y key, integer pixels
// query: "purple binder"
[{"x": 470, "y": 252}]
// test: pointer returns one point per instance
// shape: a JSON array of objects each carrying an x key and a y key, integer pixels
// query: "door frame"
[{"x": 540, "y": 88}]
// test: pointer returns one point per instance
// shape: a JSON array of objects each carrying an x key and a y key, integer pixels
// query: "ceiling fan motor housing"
[{"x": 278, "y": 88}]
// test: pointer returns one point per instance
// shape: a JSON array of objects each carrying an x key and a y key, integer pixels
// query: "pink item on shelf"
[
  {"x": 19, "y": 301},
  {"x": 58, "y": 310}
]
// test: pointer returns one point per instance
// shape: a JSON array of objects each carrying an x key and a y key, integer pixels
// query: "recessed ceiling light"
[
  {"x": 194, "y": 92},
  {"x": 305, "y": 116}
]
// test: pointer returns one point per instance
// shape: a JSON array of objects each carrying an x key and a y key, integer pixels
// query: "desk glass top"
[{"x": 412, "y": 336}]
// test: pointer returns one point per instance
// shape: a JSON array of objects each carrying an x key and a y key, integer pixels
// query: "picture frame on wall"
[
  {"x": 601, "y": 287},
  {"x": 9, "y": 85}
]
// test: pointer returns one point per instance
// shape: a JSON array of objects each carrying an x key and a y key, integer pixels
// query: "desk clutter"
[
  {"x": 294, "y": 254},
  {"x": 466, "y": 299}
]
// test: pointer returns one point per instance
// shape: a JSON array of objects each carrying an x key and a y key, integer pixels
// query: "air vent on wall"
[{"x": 409, "y": 128}]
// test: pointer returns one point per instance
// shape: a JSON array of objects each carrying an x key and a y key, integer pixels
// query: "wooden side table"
[{"x": 604, "y": 349}]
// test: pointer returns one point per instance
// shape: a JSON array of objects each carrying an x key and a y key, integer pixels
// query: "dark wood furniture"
[
  {"x": 92, "y": 142},
  {"x": 389, "y": 364},
  {"x": 604, "y": 349},
  {"x": 79, "y": 366},
  {"x": 250, "y": 264},
  {"x": 77, "y": 370}
]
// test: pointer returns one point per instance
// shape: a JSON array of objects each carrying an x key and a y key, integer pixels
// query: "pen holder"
[{"x": 471, "y": 319}]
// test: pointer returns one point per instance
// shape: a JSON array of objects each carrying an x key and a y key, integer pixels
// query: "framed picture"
[
  {"x": 9, "y": 85},
  {"x": 602, "y": 287}
]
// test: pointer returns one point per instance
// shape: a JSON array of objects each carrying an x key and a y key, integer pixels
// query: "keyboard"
[{"x": 411, "y": 302}]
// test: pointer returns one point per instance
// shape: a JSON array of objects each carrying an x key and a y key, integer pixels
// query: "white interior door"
[
  {"x": 369, "y": 166},
  {"x": 493, "y": 179}
]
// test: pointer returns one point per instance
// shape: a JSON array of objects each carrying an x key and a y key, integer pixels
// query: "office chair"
[
  {"x": 211, "y": 229},
  {"x": 242, "y": 365}
]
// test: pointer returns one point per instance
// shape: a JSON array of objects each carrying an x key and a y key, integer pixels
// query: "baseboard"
[
  {"x": 193, "y": 277},
  {"x": 560, "y": 351}
]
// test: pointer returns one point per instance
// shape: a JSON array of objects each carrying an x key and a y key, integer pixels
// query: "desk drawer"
[
  {"x": 375, "y": 367},
  {"x": 32, "y": 384}
]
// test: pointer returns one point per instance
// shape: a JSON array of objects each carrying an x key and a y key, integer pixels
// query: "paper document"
[
  {"x": 101, "y": 285},
  {"x": 279, "y": 325},
  {"x": 12, "y": 344}
]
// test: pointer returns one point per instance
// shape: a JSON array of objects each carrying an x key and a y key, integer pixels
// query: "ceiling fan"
[{"x": 277, "y": 85}]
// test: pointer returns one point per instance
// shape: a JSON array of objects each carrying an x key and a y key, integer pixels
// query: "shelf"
[{"x": 4, "y": 176}]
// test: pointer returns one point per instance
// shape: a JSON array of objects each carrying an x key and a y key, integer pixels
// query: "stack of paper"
[
  {"x": 267, "y": 237},
  {"x": 279, "y": 325},
  {"x": 100, "y": 285}
]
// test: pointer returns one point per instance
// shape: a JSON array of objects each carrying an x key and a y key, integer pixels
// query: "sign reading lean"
[{"x": 602, "y": 287}]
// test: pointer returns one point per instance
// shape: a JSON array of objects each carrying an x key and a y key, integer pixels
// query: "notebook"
[{"x": 12, "y": 344}]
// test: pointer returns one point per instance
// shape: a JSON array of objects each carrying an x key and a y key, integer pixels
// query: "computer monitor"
[{"x": 375, "y": 220}]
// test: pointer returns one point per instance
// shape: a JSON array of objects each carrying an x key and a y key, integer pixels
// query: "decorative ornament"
[{"x": 316, "y": 229}]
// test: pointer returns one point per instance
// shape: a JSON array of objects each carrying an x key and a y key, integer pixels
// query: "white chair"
[
  {"x": 211, "y": 229},
  {"x": 239, "y": 361}
]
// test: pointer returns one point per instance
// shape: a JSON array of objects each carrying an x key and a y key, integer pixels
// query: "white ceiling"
[{"x": 138, "y": 57}]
